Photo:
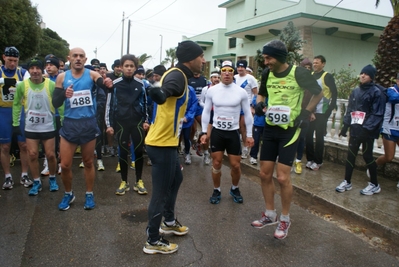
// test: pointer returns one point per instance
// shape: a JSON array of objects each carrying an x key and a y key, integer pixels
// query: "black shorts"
[
  {"x": 40, "y": 136},
  {"x": 80, "y": 131},
  {"x": 222, "y": 140},
  {"x": 279, "y": 142}
]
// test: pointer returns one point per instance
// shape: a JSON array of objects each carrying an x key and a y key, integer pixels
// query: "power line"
[
  {"x": 327, "y": 12},
  {"x": 160, "y": 11},
  {"x": 110, "y": 36},
  {"x": 139, "y": 8}
]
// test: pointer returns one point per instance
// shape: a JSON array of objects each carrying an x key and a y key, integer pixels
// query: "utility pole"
[
  {"x": 123, "y": 29},
  {"x": 128, "y": 37},
  {"x": 160, "y": 53}
]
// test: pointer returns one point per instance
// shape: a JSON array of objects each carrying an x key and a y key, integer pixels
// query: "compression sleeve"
[{"x": 58, "y": 97}]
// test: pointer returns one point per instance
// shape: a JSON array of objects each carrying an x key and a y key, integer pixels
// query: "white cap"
[{"x": 227, "y": 63}]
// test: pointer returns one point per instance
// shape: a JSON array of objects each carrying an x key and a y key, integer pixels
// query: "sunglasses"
[{"x": 227, "y": 70}]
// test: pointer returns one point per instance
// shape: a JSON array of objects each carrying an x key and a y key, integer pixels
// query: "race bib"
[
  {"x": 10, "y": 96},
  {"x": 34, "y": 117},
  {"x": 224, "y": 123},
  {"x": 278, "y": 114},
  {"x": 357, "y": 117},
  {"x": 81, "y": 99}
]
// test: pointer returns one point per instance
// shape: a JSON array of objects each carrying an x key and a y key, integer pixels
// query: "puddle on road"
[{"x": 136, "y": 216}]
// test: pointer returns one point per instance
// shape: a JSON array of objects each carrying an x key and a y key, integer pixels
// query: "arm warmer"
[{"x": 58, "y": 97}]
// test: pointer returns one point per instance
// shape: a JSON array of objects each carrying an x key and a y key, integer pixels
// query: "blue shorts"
[
  {"x": 199, "y": 110},
  {"x": 80, "y": 131},
  {"x": 6, "y": 126},
  {"x": 390, "y": 137}
]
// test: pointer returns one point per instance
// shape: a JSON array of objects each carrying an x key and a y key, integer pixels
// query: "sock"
[
  {"x": 23, "y": 174},
  {"x": 52, "y": 176},
  {"x": 297, "y": 160},
  {"x": 285, "y": 218},
  {"x": 89, "y": 193},
  {"x": 234, "y": 187},
  {"x": 8, "y": 175},
  {"x": 218, "y": 188},
  {"x": 37, "y": 180},
  {"x": 69, "y": 193},
  {"x": 170, "y": 223},
  {"x": 272, "y": 214}
]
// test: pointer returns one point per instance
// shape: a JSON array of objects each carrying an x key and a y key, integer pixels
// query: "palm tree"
[
  {"x": 387, "y": 58},
  {"x": 170, "y": 57},
  {"x": 143, "y": 58}
]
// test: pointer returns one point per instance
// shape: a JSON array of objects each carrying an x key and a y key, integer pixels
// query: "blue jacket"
[{"x": 191, "y": 107}]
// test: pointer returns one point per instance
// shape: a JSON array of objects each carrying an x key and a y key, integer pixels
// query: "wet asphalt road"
[{"x": 35, "y": 233}]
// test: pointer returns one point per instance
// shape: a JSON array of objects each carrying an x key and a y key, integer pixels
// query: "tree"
[
  {"x": 20, "y": 27},
  {"x": 170, "y": 57},
  {"x": 143, "y": 58},
  {"x": 387, "y": 56},
  {"x": 292, "y": 39},
  {"x": 52, "y": 43}
]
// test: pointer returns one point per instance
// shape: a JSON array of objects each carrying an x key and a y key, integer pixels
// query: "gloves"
[
  {"x": 157, "y": 95},
  {"x": 16, "y": 130},
  {"x": 302, "y": 121},
  {"x": 259, "y": 109},
  {"x": 343, "y": 130},
  {"x": 8, "y": 82}
]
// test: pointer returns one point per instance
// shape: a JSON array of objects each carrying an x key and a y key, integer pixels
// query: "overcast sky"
[{"x": 97, "y": 24}]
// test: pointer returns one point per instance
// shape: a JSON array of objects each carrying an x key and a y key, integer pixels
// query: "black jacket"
[
  {"x": 127, "y": 101},
  {"x": 367, "y": 98}
]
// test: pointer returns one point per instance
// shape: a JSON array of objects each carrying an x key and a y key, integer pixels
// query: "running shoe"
[
  {"x": 198, "y": 150},
  {"x": 207, "y": 158},
  {"x": 78, "y": 150},
  {"x": 187, "y": 159},
  {"x": 176, "y": 228},
  {"x": 26, "y": 181},
  {"x": 282, "y": 230},
  {"x": 315, "y": 166},
  {"x": 8, "y": 184},
  {"x": 236, "y": 195},
  {"x": 53, "y": 184},
  {"x": 36, "y": 188},
  {"x": 244, "y": 153},
  {"x": 216, "y": 196},
  {"x": 133, "y": 165},
  {"x": 149, "y": 163},
  {"x": 253, "y": 161},
  {"x": 139, "y": 187},
  {"x": 123, "y": 188},
  {"x": 89, "y": 203},
  {"x": 100, "y": 165},
  {"x": 298, "y": 167},
  {"x": 308, "y": 164},
  {"x": 371, "y": 189},
  {"x": 66, "y": 201},
  {"x": 81, "y": 165},
  {"x": 162, "y": 246},
  {"x": 343, "y": 186},
  {"x": 264, "y": 221}
]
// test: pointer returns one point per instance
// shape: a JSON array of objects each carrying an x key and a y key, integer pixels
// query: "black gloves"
[
  {"x": 302, "y": 121},
  {"x": 259, "y": 109},
  {"x": 16, "y": 130},
  {"x": 8, "y": 82},
  {"x": 157, "y": 95},
  {"x": 343, "y": 130}
]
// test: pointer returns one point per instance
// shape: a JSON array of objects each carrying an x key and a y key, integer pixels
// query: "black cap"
[{"x": 11, "y": 52}]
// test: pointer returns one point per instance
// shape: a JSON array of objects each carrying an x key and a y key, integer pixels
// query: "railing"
[{"x": 334, "y": 126}]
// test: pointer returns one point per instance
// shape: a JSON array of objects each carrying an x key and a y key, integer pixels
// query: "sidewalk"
[{"x": 315, "y": 190}]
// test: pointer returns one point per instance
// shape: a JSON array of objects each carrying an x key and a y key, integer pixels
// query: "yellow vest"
[{"x": 168, "y": 119}]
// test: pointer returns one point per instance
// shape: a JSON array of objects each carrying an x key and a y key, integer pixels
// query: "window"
[{"x": 232, "y": 42}]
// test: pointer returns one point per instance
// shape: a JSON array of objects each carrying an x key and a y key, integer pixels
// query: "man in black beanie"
[
  {"x": 170, "y": 99},
  {"x": 158, "y": 72},
  {"x": 364, "y": 117},
  {"x": 284, "y": 86}
]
